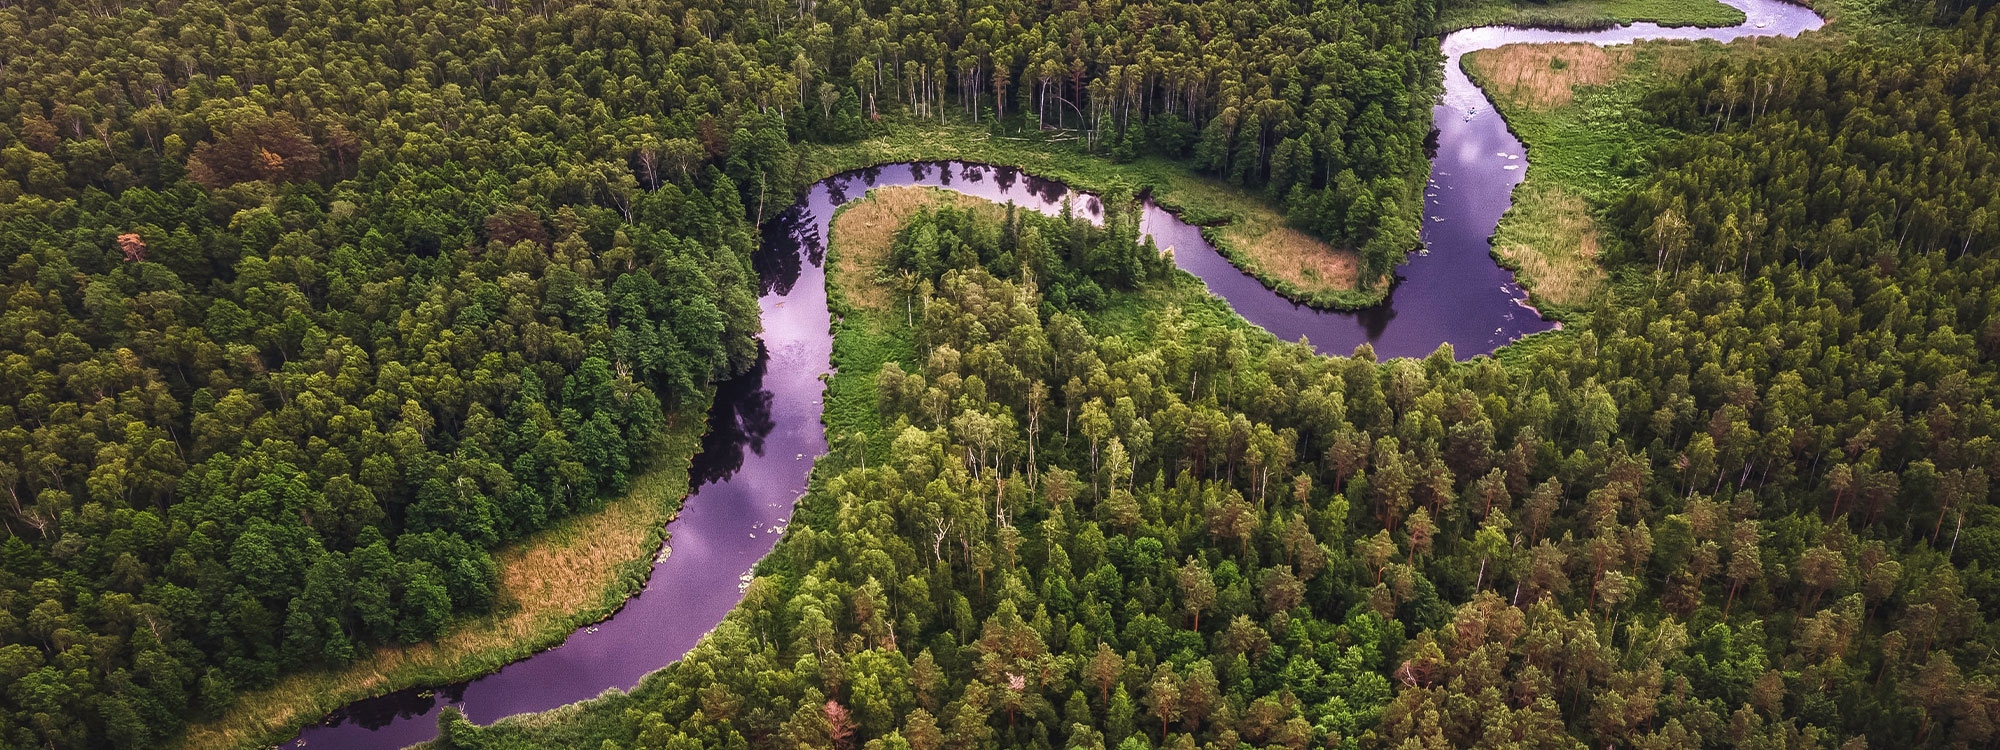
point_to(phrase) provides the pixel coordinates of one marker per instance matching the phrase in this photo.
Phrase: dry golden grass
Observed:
(1551, 238)
(558, 580)
(1261, 239)
(864, 230)
(1305, 261)
(1545, 76)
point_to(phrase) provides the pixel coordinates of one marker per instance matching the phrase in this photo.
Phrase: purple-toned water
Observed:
(765, 427)
(764, 432)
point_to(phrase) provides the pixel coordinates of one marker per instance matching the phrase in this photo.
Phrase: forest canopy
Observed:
(1747, 504)
(310, 305)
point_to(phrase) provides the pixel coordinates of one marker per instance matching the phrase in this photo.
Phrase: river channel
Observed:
(765, 431)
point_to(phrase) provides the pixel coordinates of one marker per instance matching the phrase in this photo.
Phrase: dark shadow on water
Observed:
(1007, 176)
(381, 711)
(1375, 320)
(1049, 191)
(737, 424)
(778, 271)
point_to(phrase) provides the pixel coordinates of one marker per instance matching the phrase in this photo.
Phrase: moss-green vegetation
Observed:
(873, 326)
(1586, 14)
(1589, 143)
(1584, 146)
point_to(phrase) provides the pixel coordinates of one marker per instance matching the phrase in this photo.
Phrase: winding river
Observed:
(765, 426)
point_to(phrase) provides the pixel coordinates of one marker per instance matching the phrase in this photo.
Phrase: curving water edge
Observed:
(765, 432)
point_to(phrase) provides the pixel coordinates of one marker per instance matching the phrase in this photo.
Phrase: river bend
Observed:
(765, 430)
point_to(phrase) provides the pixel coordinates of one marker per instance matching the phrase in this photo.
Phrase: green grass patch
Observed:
(1588, 14)
(1585, 147)
(866, 337)
(1594, 145)
(1134, 316)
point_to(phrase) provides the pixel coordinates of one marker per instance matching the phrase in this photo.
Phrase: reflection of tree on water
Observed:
(836, 191)
(381, 711)
(1007, 177)
(780, 261)
(739, 420)
(1375, 319)
(1049, 191)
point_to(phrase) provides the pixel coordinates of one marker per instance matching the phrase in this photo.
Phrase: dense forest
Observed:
(1746, 505)
(310, 305)
(1830, 161)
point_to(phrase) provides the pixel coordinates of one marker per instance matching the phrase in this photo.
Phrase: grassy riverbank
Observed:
(872, 327)
(1245, 227)
(1588, 14)
(1571, 105)
(577, 571)
(1576, 109)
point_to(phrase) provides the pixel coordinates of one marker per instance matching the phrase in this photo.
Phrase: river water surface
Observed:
(765, 426)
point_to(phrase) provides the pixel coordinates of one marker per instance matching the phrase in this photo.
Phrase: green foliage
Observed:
(1074, 261)
(280, 278)
(1826, 165)
(309, 307)
(284, 361)
(1723, 512)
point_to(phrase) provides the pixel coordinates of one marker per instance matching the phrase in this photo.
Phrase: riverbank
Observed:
(1243, 226)
(869, 328)
(1572, 107)
(578, 571)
